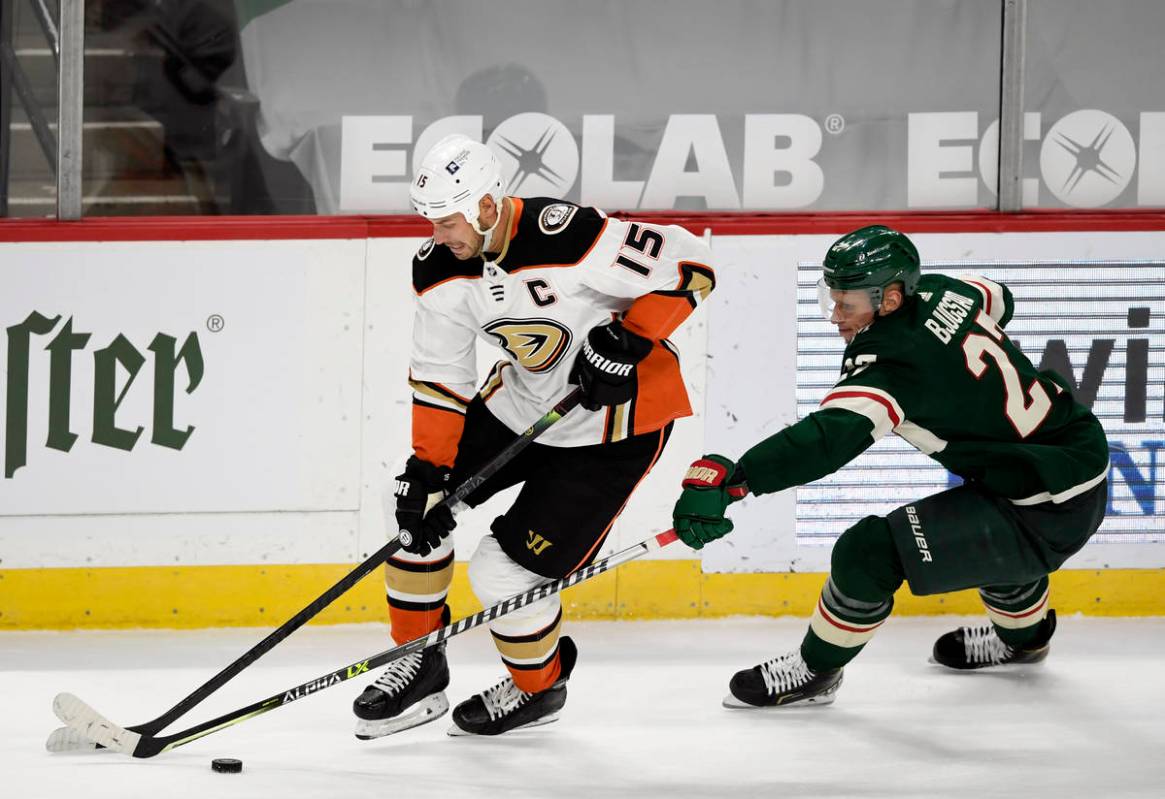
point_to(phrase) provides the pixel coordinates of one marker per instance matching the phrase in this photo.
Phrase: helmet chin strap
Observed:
(488, 233)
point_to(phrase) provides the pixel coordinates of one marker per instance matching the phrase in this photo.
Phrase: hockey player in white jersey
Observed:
(570, 296)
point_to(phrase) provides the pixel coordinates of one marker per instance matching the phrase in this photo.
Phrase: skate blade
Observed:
(1003, 667)
(428, 709)
(733, 703)
(955, 669)
(457, 732)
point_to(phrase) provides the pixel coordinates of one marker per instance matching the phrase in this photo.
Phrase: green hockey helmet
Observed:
(871, 258)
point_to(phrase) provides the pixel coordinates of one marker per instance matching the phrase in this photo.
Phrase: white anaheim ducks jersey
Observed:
(564, 270)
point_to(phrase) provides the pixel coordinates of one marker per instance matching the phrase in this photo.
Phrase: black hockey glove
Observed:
(420, 488)
(605, 368)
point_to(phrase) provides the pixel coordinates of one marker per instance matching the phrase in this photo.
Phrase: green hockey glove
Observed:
(710, 486)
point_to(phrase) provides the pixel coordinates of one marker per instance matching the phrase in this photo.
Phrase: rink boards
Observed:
(201, 415)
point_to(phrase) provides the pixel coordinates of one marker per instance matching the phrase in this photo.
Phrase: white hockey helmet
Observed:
(453, 177)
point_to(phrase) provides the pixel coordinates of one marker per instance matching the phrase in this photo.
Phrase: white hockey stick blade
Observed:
(92, 725)
(66, 739)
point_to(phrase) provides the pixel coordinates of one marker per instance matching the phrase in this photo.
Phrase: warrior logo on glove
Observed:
(707, 473)
(710, 486)
(605, 365)
(605, 369)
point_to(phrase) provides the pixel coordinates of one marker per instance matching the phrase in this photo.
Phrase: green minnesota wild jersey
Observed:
(941, 373)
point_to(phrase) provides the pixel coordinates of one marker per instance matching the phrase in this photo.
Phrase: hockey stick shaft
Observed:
(84, 719)
(456, 503)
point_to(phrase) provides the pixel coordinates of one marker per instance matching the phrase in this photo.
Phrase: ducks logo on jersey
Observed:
(536, 344)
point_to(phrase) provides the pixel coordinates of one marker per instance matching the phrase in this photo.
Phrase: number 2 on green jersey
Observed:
(1026, 410)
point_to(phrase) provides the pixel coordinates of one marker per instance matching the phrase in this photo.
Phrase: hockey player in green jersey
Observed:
(926, 358)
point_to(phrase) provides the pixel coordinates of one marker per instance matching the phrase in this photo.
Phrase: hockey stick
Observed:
(86, 722)
(64, 740)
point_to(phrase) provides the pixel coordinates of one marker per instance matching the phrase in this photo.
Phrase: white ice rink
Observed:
(643, 719)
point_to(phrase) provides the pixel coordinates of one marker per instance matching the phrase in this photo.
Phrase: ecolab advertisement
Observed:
(218, 402)
(1084, 159)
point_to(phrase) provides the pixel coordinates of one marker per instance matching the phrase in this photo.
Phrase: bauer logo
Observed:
(919, 535)
(116, 366)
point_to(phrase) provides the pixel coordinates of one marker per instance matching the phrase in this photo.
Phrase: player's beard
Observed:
(464, 250)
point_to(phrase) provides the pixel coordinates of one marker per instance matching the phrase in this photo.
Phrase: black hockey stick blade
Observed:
(61, 740)
(90, 724)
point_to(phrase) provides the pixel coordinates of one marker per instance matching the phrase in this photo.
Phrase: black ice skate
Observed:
(980, 647)
(506, 707)
(782, 681)
(410, 692)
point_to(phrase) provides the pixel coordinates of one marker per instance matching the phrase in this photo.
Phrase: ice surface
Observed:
(643, 719)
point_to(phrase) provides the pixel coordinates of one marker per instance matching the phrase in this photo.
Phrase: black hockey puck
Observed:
(226, 765)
